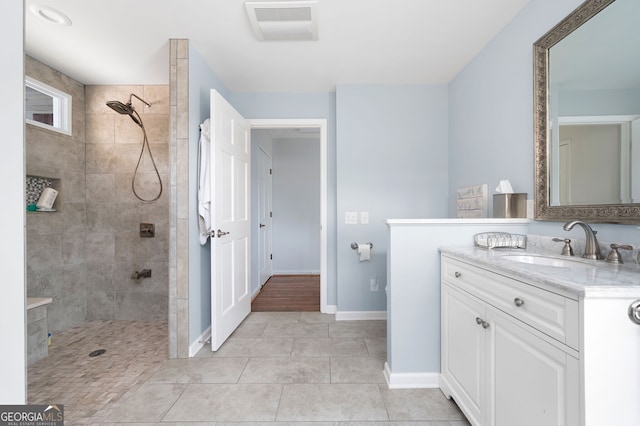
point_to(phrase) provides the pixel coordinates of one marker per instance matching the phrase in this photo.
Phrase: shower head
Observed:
(125, 109)
(128, 109)
(120, 108)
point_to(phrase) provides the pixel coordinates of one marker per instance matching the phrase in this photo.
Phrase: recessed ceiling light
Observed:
(50, 15)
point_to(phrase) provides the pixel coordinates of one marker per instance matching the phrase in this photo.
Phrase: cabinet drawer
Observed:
(550, 313)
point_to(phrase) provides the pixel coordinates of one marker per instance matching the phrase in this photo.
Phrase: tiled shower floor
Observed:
(279, 368)
(85, 385)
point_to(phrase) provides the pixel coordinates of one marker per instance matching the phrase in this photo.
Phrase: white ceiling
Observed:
(360, 41)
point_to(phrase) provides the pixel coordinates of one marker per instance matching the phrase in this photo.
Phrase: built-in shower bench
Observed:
(37, 329)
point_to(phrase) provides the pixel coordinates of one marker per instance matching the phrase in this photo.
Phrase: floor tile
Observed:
(223, 402)
(286, 370)
(357, 370)
(269, 317)
(148, 403)
(250, 330)
(275, 329)
(358, 329)
(419, 404)
(316, 317)
(329, 346)
(134, 383)
(426, 423)
(376, 346)
(251, 347)
(272, 424)
(336, 402)
(200, 370)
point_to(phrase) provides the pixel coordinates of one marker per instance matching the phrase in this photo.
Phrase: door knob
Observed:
(262, 225)
(222, 233)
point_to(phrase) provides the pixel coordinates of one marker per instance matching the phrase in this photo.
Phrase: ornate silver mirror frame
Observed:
(611, 213)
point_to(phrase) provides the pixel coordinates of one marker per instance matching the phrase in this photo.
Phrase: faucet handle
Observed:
(567, 250)
(614, 254)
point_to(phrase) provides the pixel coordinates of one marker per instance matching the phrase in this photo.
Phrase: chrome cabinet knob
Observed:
(518, 302)
(478, 320)
(457, 274)
(634, 312)
(485, 325)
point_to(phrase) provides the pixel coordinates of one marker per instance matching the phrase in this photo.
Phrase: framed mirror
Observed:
(587, 115)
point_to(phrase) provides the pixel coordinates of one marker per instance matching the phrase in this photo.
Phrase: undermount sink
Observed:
(547, 261)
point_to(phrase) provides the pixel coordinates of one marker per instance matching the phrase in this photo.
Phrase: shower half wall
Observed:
(83, 255)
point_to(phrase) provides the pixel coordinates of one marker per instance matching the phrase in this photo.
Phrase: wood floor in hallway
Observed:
(299, 293)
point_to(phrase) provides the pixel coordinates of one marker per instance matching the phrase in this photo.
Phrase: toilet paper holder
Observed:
(355, 245)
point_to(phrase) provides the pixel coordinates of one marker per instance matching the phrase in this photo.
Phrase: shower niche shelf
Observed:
(33, 189)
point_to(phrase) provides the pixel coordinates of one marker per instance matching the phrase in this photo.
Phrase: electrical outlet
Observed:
(373, 284)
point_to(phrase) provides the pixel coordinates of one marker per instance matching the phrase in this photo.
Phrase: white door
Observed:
(230, 218)
(265, 208)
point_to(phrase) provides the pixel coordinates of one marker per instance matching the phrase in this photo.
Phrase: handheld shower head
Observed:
(128, 109)
(121, 108)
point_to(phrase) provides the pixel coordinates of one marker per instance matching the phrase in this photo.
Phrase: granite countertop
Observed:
(589, 278)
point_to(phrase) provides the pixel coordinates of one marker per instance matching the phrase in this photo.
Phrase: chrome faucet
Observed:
(591, 246)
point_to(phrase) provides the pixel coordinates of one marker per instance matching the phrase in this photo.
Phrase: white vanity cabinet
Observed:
(509, 350)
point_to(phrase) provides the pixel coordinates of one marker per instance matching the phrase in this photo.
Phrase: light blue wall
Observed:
(201, 81)
(303, 105)
(296, 206)
(391, 163)
(491, 114)
(491, 104)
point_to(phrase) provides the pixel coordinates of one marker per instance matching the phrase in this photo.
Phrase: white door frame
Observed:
(322, 125)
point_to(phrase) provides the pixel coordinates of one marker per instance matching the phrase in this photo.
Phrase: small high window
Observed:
(47, 107)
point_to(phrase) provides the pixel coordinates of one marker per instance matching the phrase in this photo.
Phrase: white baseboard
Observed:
(329, 309)
(360, 315)
(410, 380)
(255, 293)
(195, 347)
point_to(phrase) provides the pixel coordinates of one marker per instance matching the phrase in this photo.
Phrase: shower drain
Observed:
(97, 352)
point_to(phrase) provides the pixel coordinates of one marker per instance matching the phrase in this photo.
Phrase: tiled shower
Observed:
(83, 254)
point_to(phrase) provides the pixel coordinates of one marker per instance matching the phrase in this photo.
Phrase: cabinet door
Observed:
(463, 352)
(533, 382)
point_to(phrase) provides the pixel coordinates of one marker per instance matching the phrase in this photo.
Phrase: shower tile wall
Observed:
(56, 240)
(114, 248)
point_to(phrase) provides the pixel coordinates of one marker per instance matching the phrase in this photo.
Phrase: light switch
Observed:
(350, 218)
(364, 218)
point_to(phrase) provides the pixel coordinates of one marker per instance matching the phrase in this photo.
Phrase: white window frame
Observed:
(61, 107)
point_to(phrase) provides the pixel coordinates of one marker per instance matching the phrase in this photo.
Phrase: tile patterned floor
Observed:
(286, 369)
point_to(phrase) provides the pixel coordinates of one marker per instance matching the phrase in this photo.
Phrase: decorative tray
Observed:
(500, 240)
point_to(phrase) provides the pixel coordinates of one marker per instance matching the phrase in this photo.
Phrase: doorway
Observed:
(284, 271)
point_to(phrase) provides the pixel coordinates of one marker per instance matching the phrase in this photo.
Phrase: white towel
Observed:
(204, 184)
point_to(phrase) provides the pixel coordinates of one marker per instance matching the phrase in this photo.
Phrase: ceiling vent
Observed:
(283, 20)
